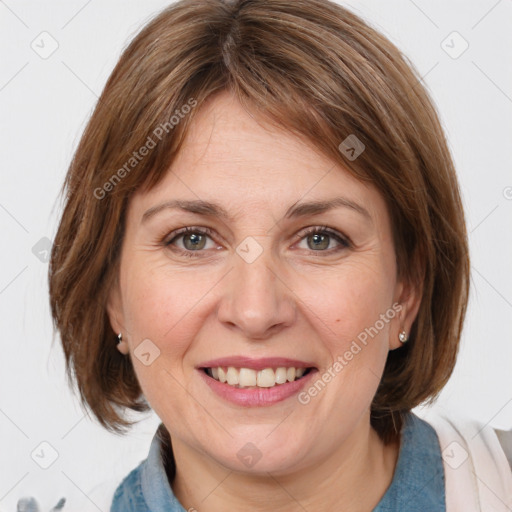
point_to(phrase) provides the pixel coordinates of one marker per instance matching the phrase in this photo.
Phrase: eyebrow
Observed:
(207, 208)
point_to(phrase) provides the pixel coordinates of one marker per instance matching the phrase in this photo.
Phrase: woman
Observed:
(263, 241)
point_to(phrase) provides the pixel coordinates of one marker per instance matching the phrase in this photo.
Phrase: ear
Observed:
(115, 315)
(408, 294)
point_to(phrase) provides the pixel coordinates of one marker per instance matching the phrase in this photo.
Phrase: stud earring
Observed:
(403, 337)
(119, 338)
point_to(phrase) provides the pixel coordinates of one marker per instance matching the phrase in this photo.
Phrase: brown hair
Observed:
(315, 69)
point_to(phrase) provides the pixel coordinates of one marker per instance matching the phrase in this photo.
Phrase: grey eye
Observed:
(319, 241)
(196, 241)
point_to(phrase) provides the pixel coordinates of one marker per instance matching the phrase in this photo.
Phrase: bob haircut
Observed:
(310, 67)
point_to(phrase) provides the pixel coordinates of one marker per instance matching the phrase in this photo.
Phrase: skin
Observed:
(295, 300)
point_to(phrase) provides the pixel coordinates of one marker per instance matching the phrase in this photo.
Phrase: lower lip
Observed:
(256, 397)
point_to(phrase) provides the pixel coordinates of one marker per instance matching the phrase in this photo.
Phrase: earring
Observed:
(403, 337)
(122, 345)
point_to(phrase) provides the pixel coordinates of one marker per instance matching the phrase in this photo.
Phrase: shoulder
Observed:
(476, 459)
(128, 496)
(121, 494)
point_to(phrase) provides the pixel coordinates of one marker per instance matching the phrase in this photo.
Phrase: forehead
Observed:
(229, 156)
(225, 135)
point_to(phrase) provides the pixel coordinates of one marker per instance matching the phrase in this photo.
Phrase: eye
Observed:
(320, 238)
(191, 239)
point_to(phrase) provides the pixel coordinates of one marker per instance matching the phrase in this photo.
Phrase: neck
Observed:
(354, 476)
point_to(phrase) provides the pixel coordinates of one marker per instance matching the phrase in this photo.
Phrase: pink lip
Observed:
(255, 364)
(256, 397)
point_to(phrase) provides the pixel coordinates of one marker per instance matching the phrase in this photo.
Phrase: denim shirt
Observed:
(418, 482)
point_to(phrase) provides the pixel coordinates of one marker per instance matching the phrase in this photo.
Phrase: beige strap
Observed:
(477, 474)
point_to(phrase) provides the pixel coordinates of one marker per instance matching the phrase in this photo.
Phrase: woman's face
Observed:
(250, 281)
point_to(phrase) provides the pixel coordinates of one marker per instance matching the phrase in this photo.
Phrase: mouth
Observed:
(262, 382)
(249, 378)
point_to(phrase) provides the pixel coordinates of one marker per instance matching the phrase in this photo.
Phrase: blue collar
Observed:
(418, 483)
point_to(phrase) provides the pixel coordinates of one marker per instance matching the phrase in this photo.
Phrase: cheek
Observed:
(351, 313)
(166, 308)
(163, 305)
(350, 301)
(160, 316)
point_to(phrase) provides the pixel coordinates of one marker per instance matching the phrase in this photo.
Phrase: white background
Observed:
(45, 104)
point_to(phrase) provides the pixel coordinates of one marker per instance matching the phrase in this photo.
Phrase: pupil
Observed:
(195, 241)
(322, 239)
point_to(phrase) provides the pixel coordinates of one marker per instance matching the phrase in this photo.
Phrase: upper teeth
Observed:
(243, 377)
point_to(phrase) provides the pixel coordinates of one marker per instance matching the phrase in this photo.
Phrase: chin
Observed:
(259, 454)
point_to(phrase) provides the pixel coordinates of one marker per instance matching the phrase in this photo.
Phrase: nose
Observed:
(256, 299)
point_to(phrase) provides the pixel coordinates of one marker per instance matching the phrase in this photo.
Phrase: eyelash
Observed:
(342, 240)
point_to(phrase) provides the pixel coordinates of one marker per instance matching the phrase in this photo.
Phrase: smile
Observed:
(262, 382)
(250, 378)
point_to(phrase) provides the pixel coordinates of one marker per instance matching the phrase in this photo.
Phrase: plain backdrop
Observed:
(45, 101)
